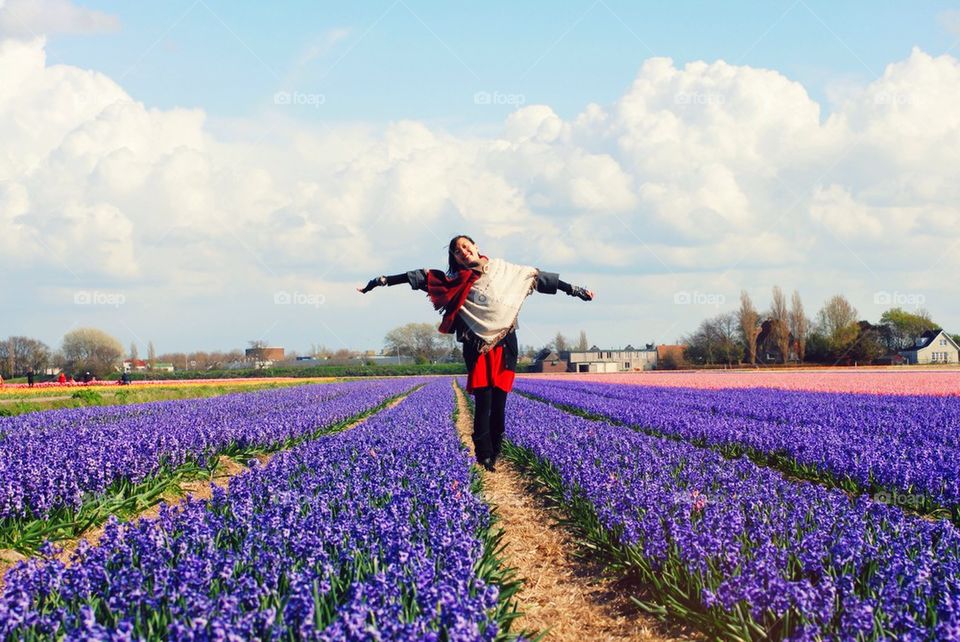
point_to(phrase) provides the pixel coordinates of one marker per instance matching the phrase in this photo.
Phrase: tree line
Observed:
(97, 352)
(784, 332)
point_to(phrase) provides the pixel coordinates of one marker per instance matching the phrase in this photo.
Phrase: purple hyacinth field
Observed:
(745, 514)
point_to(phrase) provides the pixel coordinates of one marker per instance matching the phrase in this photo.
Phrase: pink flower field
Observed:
(900, 381)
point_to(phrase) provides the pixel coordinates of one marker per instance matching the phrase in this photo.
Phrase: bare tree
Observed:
(92, 350)
(319, 351)
(836, 314)
(8, 362)
(134, 353)
(837, 321)
(560, 343)
(715, 341)
(749, 322)
(781, 323)
(20, 355)
(799, 324)
(151, 354)
(582, 344)
(419, 340)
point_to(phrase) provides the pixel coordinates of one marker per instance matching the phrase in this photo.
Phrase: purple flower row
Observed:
(368, 534)
(56, 459)
(909, 445)
(804, 562)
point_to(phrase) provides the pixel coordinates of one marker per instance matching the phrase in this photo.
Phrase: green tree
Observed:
(837, 323)
(901, 328)
(869, 344)
(93, 350)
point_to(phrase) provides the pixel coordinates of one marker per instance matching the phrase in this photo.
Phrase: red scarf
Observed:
(448, 294)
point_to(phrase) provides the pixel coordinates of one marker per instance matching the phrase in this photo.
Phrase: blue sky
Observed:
(394, 59)
(170, 170)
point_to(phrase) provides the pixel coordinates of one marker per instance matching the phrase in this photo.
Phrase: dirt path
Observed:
(562, 594)
(34, 399)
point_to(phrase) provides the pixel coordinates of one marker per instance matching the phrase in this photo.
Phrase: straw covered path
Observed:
(564, 595)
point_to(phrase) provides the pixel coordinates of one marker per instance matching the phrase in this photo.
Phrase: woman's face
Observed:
(466, 252)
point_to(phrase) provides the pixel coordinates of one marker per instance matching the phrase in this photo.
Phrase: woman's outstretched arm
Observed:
(416, 278)
(550, 283)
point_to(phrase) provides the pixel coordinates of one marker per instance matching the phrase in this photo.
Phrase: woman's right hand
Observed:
(380, 280)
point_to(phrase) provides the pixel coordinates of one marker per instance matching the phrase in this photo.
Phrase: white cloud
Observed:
(714, 177)
(28, 18)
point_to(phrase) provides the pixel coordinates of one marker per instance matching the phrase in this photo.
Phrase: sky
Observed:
(201, 174)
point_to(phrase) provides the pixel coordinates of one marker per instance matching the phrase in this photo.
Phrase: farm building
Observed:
(667, 353)
(933, 346)
(134, 365)
(549, 361)
(613, 360)
(263, 357)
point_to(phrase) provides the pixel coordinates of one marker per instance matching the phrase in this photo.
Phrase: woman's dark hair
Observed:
(452, 262)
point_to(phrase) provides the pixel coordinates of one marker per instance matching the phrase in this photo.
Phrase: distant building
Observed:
(626, 359)
(134, 365)
(667, 353)
(767, 348)
(163, 366)
(263, 357)
(264, 354)
(549, 361)
(933, 346)
(388, 360)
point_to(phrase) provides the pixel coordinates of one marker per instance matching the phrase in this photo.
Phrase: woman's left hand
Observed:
(582, 293)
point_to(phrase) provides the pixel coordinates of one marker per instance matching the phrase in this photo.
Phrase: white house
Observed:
(933, 346)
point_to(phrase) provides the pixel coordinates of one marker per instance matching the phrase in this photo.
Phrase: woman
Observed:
(480, 299)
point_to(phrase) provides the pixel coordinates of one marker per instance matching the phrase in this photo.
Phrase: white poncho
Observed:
(494, 301)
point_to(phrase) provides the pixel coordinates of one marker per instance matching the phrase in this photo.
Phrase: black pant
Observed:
(489, 406)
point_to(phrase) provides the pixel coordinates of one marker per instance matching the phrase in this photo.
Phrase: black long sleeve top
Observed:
(547, 282)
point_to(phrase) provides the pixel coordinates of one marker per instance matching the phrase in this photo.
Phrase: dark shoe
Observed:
(488, 464)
